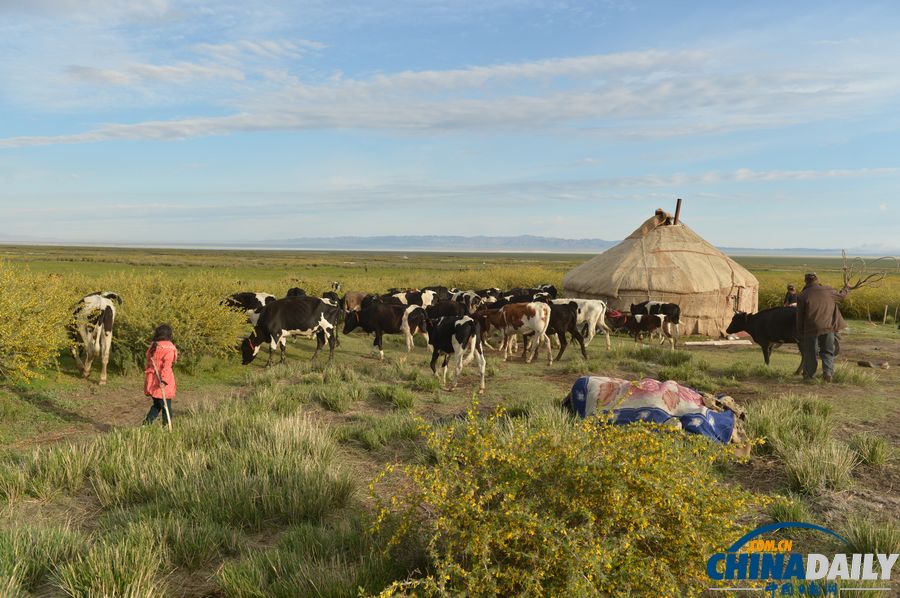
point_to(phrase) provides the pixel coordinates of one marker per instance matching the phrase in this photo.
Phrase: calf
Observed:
(519, 318)
(252, 303)
(353, 300)
(671, 311)
(640, 323)
(563, 319)
(591, 314)
(381, 318)
(458, 336)
(768, 328)
(292, 316)
(92, 328)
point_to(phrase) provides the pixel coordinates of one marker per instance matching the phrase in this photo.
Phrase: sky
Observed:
(173, 121)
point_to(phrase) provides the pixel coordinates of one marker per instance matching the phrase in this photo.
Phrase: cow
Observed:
(92, 324)
(768, 328)
(443, 309)
(563, 319)
(591, 315)
(382, 318)
(539, 296)
(671, 311)
(292, 316)
(638, 324)
(518, 318)
(353, 300)
(414, 297)
(489, 295)
(549, 289)
(333, 298)
(440, 293)
(471, 299)
(296, 292)
(458, 336)
(251, 303)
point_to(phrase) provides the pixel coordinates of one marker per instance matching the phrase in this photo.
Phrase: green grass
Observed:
(374, 432)
(790, 421)
(852, 374)
(788, 508)
(871, 449)
(872, 536)
(815, 468)
(397, 396)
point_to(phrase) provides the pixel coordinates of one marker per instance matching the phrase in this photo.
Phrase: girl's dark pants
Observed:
(155, 410)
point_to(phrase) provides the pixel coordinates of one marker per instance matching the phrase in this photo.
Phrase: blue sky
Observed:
(175, 121)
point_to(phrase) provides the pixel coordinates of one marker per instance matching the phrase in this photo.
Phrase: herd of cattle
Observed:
(455, 323)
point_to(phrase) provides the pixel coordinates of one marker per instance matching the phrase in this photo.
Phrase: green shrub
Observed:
(812, 469)
(871, 449)
(550, 506)
(34, 312)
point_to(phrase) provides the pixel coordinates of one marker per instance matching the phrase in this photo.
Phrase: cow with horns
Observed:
(92, 329)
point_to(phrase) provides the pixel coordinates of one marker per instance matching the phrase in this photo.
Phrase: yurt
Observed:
(664, 260)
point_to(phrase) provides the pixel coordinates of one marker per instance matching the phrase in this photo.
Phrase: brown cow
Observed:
(519, 318)
(353, 300)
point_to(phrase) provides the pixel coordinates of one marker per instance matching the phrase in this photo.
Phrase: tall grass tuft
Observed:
(742, 370)
(814, 468)
(844, 373)
(28, 554)
(128, 567)
(790, 421)
(397, 396)
(866, 535)
(871, 449)
(376, 432)
(788, 508)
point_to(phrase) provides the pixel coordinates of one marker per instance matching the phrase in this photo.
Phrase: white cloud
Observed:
(134, 74)
(267, 49)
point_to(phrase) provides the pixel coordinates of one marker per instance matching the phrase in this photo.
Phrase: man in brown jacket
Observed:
(818, 320)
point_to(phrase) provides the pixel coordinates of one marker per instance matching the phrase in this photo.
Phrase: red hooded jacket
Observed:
(165, 355)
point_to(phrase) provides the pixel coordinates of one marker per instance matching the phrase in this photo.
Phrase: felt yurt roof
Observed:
(659, 257)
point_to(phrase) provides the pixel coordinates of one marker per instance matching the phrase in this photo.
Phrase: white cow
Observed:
(92, 325)
(593, 313)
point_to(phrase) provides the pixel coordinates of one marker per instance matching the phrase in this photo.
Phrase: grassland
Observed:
(261, 489)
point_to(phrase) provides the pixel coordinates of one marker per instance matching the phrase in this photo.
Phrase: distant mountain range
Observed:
(449, 243)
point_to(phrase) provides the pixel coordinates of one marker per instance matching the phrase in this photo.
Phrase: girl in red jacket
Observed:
(163, 354)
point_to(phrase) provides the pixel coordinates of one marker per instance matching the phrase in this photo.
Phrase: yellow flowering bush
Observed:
(34, 312)
(550, 506)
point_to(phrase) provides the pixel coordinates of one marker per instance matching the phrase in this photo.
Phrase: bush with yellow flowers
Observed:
(34, 312)
(552, 506)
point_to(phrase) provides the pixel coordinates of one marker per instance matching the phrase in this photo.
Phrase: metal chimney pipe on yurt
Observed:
(677, 211)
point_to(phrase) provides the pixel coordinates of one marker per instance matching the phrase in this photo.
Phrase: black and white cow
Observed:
(563, 319)
(383, 318)
(443, 309)
(471, 299)
(441, 293)
(423, 298)
(92, 328)
(295, 292)
(292, 316)
(537, 296)
(251, 303)
(458, 336)
(489, 295)
(671, 311)
(591, 316)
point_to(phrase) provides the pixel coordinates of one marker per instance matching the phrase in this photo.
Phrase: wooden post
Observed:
(896, 309)
(884, 319)
(677, 211)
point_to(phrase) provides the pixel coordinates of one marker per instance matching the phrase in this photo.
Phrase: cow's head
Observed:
(549, 289)
(351, 321)
(112, 297)
(738, 323)
(250, 347)
(541, 297)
